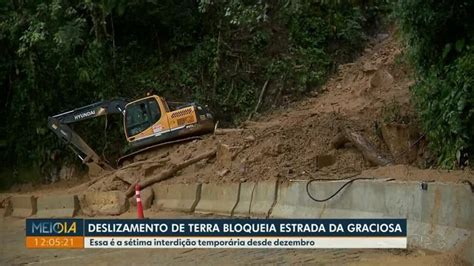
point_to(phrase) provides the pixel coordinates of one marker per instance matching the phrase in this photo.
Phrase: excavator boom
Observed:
(59, 124)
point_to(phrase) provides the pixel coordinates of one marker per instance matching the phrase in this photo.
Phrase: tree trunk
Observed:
(170, 172)
(368, 150)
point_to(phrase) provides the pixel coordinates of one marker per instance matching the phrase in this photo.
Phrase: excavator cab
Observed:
(141, 115)
(149, 121)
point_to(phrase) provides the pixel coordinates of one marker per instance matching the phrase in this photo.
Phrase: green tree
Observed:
(440, 37)
(59, 55)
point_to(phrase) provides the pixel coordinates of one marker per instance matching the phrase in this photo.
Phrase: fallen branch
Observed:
(260, 98)
(85, 186)
(234, 155)
(170, 172)
(93, 181)
(122, 179)
(152, 161)
(223, 131)
(249, 123)
(368, 150)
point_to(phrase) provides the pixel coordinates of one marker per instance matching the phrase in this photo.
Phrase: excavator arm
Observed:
(59, 124)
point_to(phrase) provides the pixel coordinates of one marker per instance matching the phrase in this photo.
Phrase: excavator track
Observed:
(130, 155)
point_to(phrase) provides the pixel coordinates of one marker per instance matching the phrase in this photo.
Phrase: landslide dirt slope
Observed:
(295, 142)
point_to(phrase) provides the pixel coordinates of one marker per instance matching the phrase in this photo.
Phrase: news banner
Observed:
(216, 233)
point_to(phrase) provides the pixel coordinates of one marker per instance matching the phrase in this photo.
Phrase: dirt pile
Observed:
(296, 142)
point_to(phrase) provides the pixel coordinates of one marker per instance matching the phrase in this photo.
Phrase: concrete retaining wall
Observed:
(4, 200)
(146, 196)
(23, 206)
(177, 197)
(104, 203)
(256, 199)
(5, 206)
(439, 218)
(57, 206)
(218, 199)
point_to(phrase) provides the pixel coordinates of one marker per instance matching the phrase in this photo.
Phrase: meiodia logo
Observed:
(53, 227)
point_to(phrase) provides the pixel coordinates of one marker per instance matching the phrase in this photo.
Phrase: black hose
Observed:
(332, 179)
(470, 184)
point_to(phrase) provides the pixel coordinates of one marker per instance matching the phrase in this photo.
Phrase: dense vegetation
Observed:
(440, 38)
(57, 55)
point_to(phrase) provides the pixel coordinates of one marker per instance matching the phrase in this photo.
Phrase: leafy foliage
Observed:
(440, 35)
(58, 55)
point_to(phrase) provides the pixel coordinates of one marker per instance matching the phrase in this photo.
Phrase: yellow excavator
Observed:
(148, 123)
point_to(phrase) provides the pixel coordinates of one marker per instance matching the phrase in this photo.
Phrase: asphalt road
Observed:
(13, 252)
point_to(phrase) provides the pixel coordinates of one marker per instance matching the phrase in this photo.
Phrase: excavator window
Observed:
(154, 110)
(141, 115)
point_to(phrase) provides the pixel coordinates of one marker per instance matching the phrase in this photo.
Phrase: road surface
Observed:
(13, 252)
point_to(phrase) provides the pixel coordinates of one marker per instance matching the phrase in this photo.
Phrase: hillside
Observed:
(296, 142)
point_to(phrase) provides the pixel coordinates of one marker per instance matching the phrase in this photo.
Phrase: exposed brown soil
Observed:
(295, 142)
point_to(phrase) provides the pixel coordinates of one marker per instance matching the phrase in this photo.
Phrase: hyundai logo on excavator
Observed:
(83, 115)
